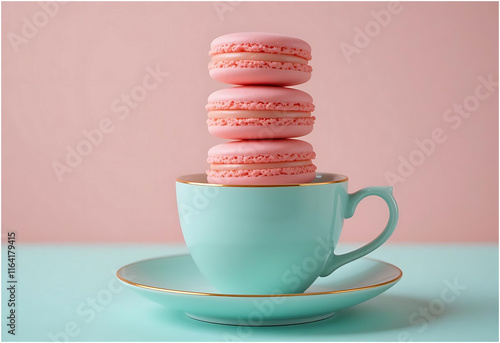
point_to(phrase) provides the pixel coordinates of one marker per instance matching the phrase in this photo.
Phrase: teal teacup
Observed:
(271, 239)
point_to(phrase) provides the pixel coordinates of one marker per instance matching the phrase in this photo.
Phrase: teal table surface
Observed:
(69, 292)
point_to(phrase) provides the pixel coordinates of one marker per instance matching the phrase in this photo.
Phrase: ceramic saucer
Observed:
(176, 282)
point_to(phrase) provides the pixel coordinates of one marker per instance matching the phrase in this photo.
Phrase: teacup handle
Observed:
(335, 261)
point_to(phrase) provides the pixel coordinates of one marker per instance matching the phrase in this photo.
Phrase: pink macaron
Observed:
(260, 112)
(260, 58)
(261, 162)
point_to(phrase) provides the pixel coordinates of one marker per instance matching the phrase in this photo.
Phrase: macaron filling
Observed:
(252, 56)
(256, 114)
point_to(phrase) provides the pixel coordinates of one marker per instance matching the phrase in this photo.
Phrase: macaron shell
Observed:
(260, 132)
(259, 76)
(263, 180)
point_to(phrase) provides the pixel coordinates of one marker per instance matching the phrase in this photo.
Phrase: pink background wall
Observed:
(64, 71)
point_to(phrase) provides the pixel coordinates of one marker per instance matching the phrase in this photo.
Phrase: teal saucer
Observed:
(176, 282)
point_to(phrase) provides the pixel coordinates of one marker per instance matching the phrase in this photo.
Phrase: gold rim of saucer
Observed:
(255, 295)
(201, 180)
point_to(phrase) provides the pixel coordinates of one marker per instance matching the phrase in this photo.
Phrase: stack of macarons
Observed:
(260, 112)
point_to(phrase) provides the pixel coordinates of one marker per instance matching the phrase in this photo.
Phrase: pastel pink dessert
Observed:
(261, 162)
(260, 112)
(260, 58)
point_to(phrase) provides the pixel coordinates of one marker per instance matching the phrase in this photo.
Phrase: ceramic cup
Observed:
(271, 239)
